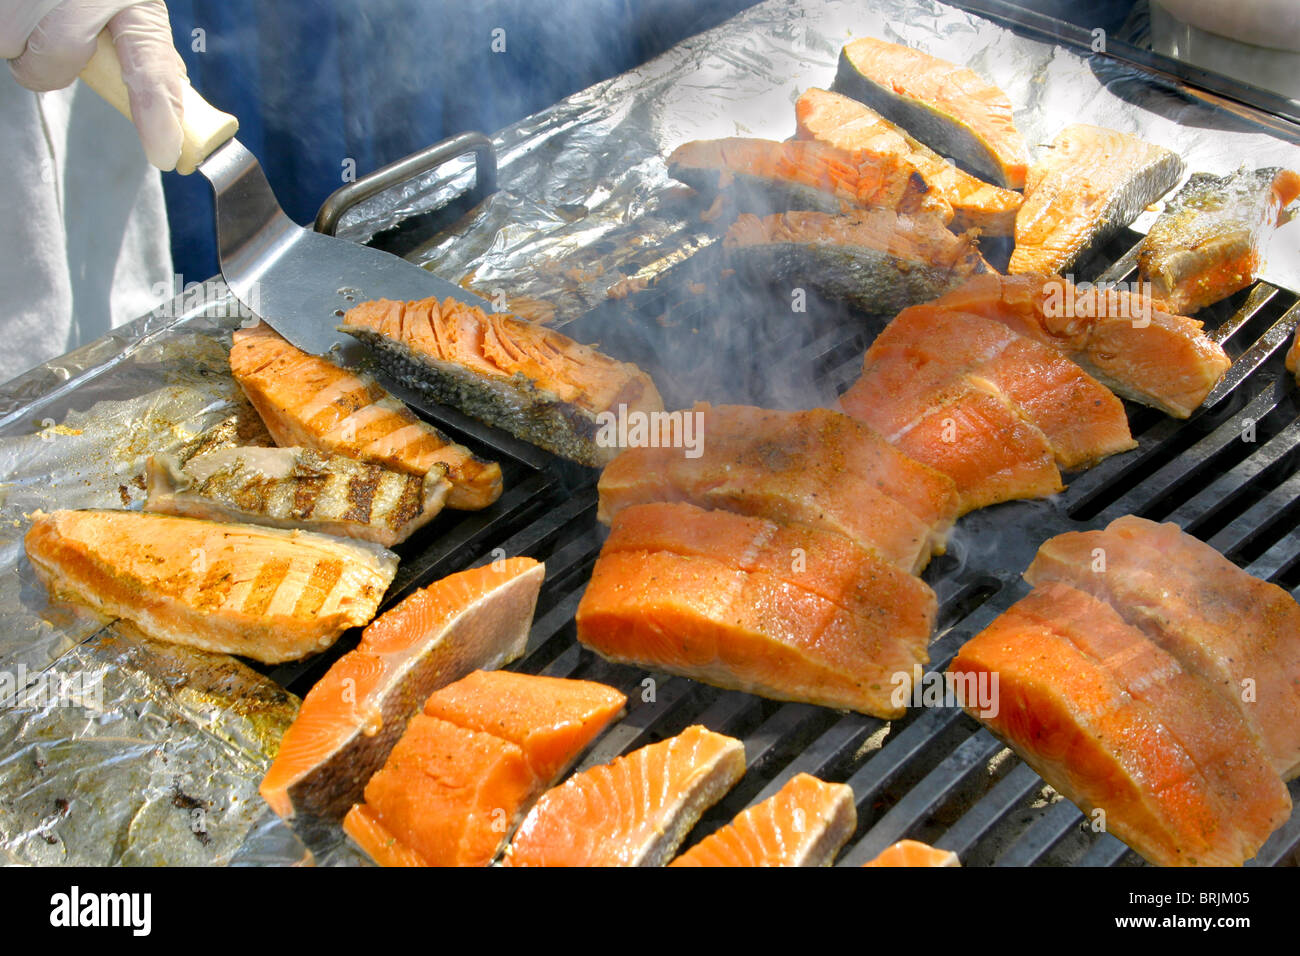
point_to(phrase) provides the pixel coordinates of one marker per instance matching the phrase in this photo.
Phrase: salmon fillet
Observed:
(814, 467)
(350, 720)
(309, 401)
(634, 811)
(1239, 634)
(914, 853)
(1122, 340)
(260, 593)
(803, 824)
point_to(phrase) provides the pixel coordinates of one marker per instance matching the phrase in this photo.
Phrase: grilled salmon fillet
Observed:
(308, 401)
(531, 381)
(1124, 341)
(816, 467)
(352, 717)
(260, 593)
(634, 811)
(914, 853)
(847, 124)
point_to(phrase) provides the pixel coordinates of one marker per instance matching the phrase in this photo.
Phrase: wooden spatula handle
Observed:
(205, 126)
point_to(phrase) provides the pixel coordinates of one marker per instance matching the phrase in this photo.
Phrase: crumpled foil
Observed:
(115, 749)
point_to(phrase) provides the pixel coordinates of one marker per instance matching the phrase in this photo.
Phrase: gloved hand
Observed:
(48, 42)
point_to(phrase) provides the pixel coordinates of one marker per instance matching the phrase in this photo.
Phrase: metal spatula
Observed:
(298, 280)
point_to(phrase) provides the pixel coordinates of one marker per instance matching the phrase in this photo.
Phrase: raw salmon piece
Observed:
(1082, 420)
(816, 467)
(803, 824)
(1121, 339)
(1239, 634)
(845, 123)
(829, 565)
(767, 176)
(949, 108)
(746, 631)
(550, 719)
(261, 593)
(634, 811)
(957, 425)
(351, 718)
(1092, 183)
(532, 381)
(1226, 754)
(306, 400)
(914, 853)
(1097, 746)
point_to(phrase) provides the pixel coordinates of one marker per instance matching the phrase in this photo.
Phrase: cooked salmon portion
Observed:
(803, 824)
(847, 124)
(816, 467)
(767, 176)
(959, 425)
(1082, 420)
(634, 811)
(1121, 339)
(350, 720)
(308, 401)
(1237, 633)
(533, 382)
(1293, 355)
(914, 853)
(261, 593)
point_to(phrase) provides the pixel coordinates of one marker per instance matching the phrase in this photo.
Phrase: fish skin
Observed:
(1206, 245)
(1091, 184)
(914, 853)
(262, 593)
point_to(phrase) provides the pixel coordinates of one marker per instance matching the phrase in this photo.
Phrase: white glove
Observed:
(48, 42)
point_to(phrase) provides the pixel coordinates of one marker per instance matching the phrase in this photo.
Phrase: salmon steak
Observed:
(951, 109)
(472, 763)
(1108, 721)
(298, 488)
(1208, 243)
(308, 401)
(261, 593)
(815, 467)
(805, 823)
(1091, 184)
(352, 717)
(531, 381)
(876, 260)
(633, 811)
(766, 176)
(847, 124)
(914, 853)
(1121, 339)
(1237, 633)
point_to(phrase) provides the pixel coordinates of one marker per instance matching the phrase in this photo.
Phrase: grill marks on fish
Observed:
(309, 401)
(1092, 183)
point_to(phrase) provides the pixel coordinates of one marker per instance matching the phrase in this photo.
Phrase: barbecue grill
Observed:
(1230, 475)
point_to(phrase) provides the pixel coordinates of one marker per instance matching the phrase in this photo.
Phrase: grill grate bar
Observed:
(1276, 557)
(980, 820)
(1107, 851)
(638, 728)
(1278, 334)
(899, 751)
(1255, 522)
(1224, 491)
(1049, 830)
(820, 757)
(1261, 295)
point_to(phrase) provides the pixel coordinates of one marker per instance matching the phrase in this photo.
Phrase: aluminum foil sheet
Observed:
(114, 749)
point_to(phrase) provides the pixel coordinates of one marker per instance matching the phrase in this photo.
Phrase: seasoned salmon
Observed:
(260, 593)
(1207, 244)
(306, 400)
(847, 124)
(914, 853)
(519, 376)
(876, 260)
(469, 766)
(298, 488)
(816, 467)
(634, 811)
(1239, 634)
(766, 176)
(803, 824)
(1091, 184)
(951, 109)
(351, 718)
(1121, 339)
